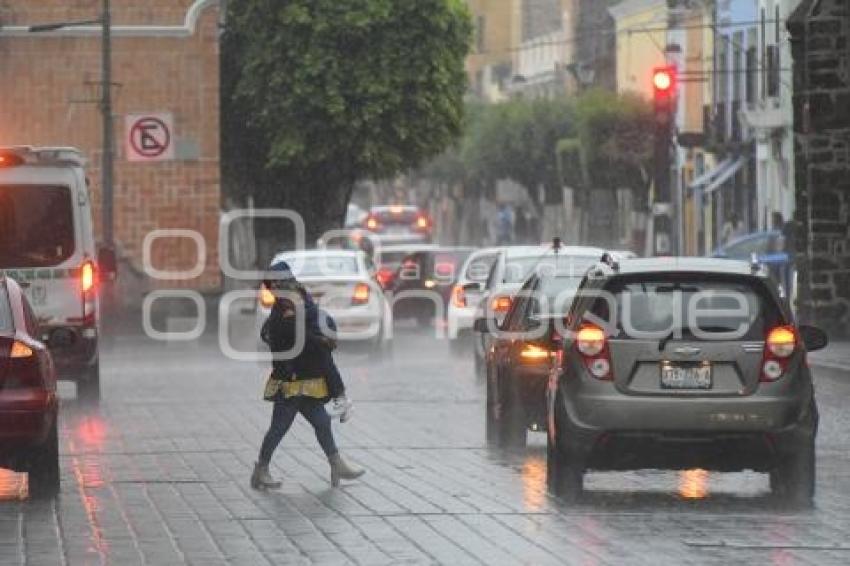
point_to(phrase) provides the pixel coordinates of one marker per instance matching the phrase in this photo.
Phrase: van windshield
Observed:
(36, 226)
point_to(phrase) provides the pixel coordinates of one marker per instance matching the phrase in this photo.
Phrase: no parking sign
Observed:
(149, 137)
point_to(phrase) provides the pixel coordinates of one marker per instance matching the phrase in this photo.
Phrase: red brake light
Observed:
(385, 277)
(422, 222)
(501, 304)
(361, 294)
(458, 296)
(372, 223)
(532, 353)
(779, 345)
(87, 277)
(592, 344)
(10, 160)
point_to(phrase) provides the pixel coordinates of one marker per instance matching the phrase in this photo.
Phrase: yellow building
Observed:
(641, 40)
(497, 36)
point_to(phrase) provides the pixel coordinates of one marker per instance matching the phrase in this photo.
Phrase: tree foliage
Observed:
(321, 93)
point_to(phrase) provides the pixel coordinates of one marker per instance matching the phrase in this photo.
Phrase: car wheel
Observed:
(88, 387)
(512, 426)
(793, 480)
(564, 474)
(44, 466)
(489, 418)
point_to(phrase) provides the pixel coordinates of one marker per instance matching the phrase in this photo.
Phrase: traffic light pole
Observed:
(665, 87)
(108, 159)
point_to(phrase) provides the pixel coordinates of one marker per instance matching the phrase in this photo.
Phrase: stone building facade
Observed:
(820, 31)
(165, 60)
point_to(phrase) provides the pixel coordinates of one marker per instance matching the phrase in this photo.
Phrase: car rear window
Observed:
(479, 268)
(6, 324)
(689, 308)
(323, 266)
(518, 269)
(38, 226)
(396, 216)
(447, 264)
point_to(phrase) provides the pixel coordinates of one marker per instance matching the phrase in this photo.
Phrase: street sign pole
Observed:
(108, 158)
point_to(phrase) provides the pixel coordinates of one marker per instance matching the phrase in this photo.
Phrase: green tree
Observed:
(319, 94)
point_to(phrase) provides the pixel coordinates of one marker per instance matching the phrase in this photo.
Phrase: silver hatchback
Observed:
(677, 363)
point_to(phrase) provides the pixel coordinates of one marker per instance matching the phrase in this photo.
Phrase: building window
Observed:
(773, 70)
(752, 75)
(540, 17)
(737, 71)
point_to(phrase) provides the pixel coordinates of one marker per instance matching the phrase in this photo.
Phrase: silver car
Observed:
(678, 363)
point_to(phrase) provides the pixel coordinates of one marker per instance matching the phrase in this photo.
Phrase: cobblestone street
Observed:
(158, 474)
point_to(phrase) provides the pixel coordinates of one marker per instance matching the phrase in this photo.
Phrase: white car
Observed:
(343, 284)
(47, 245)
(466, 295)
(512, 267)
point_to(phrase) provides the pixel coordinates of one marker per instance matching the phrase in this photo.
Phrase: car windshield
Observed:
(689, 308)
(323, 266)
(447, 263)
(6, 324)
(37, 226)
(479, 268)
(518, 269)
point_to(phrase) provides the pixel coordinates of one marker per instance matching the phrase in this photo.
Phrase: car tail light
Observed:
(533, 353)
(361, 294)
(422, 223)
(780, 344)
(458, 296)
(267, 298)
(501, 304)
(385, 277)
(20, 350)
(10, 160)
(372, 223)
(87, 274)
(592, 344)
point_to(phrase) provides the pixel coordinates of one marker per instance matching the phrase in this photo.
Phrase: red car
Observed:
(28, 400)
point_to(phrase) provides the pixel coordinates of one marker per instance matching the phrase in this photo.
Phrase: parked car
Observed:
(423, 283)
(512, 267)
(47, 243)
(684, 363)
(524, 349)
(399, 224)
(769, 248)
(343, 283)
(466, 294)
(28, 402)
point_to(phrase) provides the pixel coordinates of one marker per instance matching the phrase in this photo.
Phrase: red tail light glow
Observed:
(532, 353)
(422, 223)
(592, 344)
(87, 277)
(501, 304)
(385, 277)
(780, 344)
(372, 223)
(361, 294)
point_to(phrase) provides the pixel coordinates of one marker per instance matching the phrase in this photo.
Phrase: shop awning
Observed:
(725, 174)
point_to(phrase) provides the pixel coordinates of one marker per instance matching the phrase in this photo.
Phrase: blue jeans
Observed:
(284, 414)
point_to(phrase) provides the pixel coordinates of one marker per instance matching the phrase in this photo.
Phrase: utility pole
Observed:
(108, 158)
(108, 149)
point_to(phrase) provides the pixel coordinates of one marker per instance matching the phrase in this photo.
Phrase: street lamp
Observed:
(108, 164)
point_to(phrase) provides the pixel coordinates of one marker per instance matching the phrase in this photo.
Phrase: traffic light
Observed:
(664, 93)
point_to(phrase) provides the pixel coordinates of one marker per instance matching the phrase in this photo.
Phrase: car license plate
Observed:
(686, 377)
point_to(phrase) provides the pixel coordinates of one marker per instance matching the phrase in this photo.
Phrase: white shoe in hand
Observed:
(342, 408)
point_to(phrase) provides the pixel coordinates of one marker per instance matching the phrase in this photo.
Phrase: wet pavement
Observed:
(158, 474)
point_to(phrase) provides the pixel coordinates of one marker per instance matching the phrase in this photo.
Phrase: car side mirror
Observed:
(107, 263)
(61, 338)
(813, 337)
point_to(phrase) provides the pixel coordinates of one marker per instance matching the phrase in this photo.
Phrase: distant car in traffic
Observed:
(512, 267)
(524, 349)
(343, 283)
(399, 224)
(769, 248)
(28, 402)
(47, 243)
(466, 294)
(388, 260)
(423, 283)
(678, 363)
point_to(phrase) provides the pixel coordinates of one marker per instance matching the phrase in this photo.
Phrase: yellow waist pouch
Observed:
(315, 388)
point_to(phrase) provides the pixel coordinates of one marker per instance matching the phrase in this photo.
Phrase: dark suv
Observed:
(677, 363)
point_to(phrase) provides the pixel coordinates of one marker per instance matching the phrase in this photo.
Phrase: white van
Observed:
(47, 245)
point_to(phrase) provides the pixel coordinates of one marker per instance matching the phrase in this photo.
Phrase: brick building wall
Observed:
(165, 59)
(820, 32)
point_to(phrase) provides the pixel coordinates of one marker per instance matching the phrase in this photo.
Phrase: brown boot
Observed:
(262, 479)
(340, 470)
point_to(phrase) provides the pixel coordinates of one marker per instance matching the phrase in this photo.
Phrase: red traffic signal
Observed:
(664, 81)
